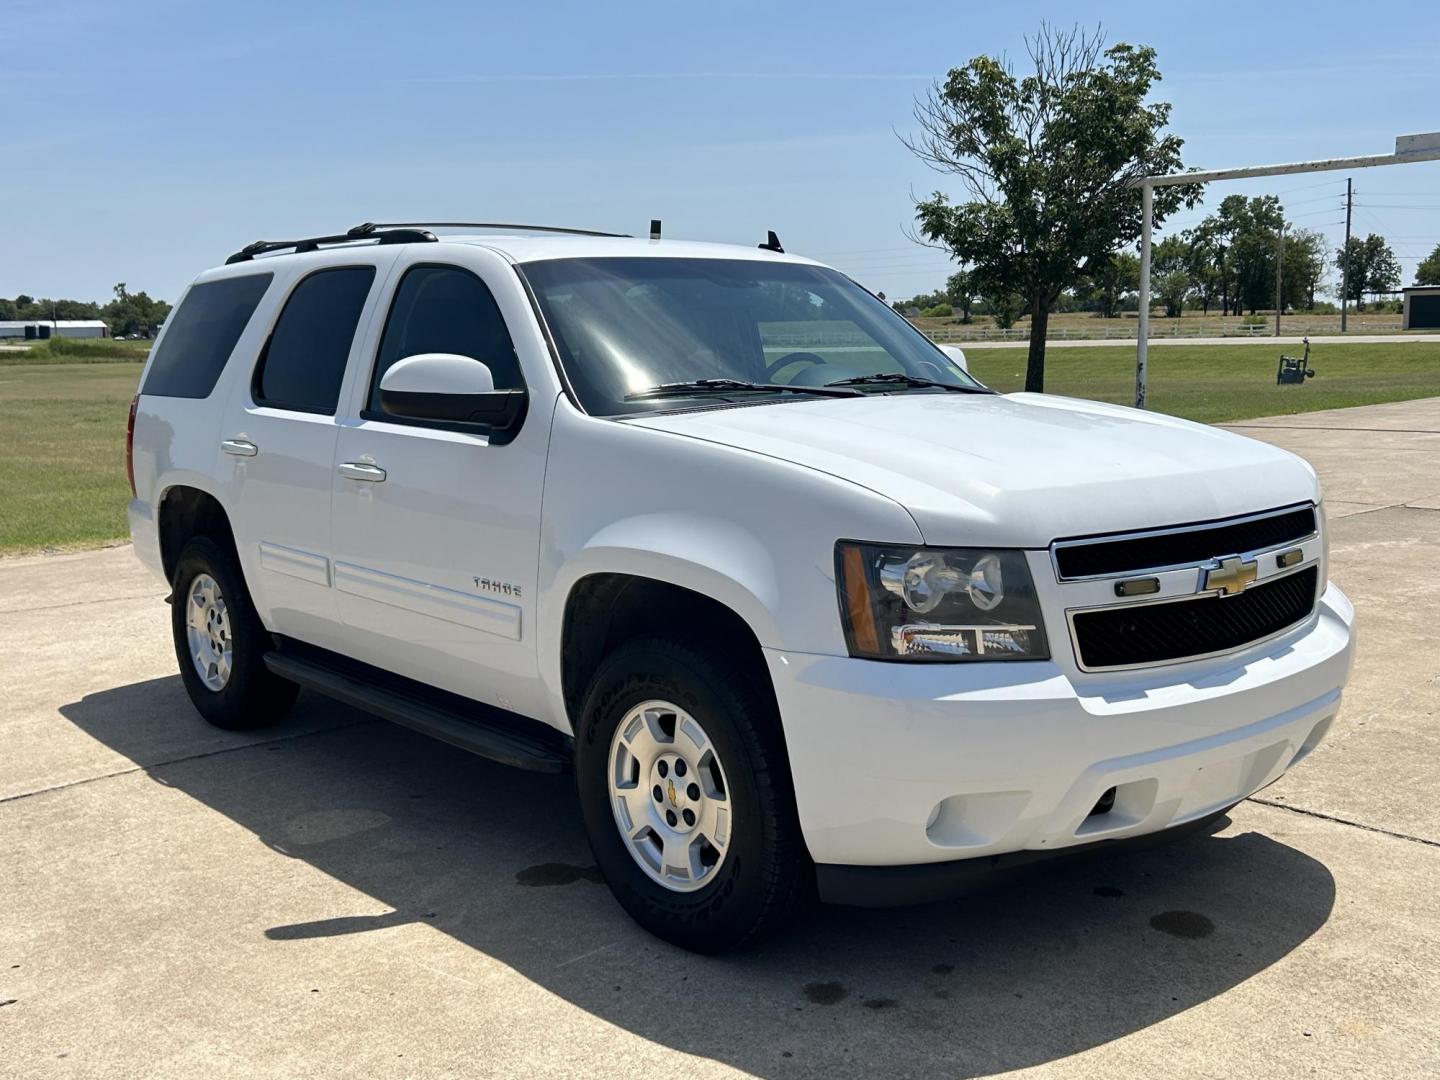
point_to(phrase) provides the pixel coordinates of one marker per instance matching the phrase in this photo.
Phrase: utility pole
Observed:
(1279, 269)
(1345, 262)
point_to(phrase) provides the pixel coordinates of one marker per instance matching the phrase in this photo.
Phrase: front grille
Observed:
(1157, 633)
(1192, 544)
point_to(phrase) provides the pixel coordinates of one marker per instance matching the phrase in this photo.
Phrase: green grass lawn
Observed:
(62, 454)
(1215, 383)
(62, 425)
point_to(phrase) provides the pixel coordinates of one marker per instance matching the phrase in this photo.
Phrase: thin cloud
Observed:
(645, 76)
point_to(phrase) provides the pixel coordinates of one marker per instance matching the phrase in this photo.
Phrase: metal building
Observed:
(1422, 307)
(33, 329)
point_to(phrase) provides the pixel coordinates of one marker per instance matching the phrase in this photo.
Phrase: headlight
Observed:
(946, 604)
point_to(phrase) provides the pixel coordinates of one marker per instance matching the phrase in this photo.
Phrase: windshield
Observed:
(626, 325)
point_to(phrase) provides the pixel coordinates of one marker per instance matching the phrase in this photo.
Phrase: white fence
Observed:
(1288, 328)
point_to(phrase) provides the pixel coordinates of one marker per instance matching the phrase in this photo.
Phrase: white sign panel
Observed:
(1417, 144)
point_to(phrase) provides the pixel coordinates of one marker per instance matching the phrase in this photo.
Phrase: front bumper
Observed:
(897, 764)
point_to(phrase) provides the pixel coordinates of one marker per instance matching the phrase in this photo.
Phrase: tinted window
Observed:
(304, 362)
(201, 334)
(443, 309)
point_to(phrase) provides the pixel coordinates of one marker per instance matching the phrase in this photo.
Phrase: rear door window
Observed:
(201, 335)
(303, 363)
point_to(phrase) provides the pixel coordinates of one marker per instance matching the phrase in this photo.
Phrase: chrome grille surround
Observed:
(1288, 538)
(1180, 582)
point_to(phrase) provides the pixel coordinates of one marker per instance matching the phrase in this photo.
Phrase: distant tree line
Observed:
(128, 313)
(1226, 264)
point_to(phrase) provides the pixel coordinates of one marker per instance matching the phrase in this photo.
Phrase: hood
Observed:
(1016, 470)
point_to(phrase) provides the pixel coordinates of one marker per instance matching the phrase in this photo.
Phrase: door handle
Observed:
(239, 447)
(358, 470)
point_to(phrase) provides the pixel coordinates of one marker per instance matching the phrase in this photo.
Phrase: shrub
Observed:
(57, 350)
(90, 348)
(939, 311)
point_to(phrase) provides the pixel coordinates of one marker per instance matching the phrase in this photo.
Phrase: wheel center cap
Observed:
(674, 794)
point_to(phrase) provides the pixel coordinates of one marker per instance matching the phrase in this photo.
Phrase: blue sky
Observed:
(145, 141)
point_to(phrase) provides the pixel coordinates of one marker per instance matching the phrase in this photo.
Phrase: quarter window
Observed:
(201, 335)
(444, 309)
(304, 362)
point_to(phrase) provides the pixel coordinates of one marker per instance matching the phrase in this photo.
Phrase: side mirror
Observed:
(954, 352)
(447, 387)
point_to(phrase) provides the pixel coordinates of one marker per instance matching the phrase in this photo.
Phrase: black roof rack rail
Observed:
(368, 231)
(491, 225)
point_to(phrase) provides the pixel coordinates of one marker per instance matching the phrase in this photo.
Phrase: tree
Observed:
(1234, 253)
(1205, 261)
(1253, 227)
(960, 289)
(133, 313)
(1111, 280)
(1049, 162)
(1170, 270)
(1373, 268)
(1428, 272)
(1306, 261)
(1004, 309)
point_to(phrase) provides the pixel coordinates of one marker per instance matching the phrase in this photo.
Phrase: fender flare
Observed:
(711, 556)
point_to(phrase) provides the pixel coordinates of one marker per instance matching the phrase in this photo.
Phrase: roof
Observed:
(1421, 289)
(538, 246)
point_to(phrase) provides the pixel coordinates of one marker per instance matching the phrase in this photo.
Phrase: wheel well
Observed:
(604, 610)
(186, 512)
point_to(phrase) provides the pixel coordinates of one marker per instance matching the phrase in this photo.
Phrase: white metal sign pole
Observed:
(1142, 332)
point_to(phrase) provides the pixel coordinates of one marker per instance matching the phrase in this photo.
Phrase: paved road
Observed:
(341, 897)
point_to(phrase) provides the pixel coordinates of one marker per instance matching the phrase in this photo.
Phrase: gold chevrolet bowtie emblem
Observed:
(671, 793)
(1231, 577)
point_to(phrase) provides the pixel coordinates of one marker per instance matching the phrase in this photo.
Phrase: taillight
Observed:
(130, 444)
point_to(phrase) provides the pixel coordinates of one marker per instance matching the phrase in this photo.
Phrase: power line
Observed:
(936, 267)
(909, 248)
(1390, 206)
(1318, 198)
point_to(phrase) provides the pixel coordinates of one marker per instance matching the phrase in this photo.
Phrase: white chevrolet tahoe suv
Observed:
(806, 608)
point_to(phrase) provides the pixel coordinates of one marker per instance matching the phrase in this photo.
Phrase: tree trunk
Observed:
(1035, 365)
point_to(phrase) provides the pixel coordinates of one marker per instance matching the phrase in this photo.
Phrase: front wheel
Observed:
(685, 787)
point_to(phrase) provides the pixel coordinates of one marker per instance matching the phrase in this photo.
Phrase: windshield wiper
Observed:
(731, 386)
(902, 379)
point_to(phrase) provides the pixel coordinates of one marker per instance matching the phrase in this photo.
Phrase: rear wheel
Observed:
(685, 788)
(220, 642)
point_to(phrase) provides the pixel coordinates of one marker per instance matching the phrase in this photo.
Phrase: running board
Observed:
(489, 732)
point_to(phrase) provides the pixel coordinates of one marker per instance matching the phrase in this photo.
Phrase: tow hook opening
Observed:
(1104, 804)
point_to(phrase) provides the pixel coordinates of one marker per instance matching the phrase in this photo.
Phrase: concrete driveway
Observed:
(341, 897)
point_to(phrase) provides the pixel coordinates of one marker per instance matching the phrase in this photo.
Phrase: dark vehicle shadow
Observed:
(1028, 972)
